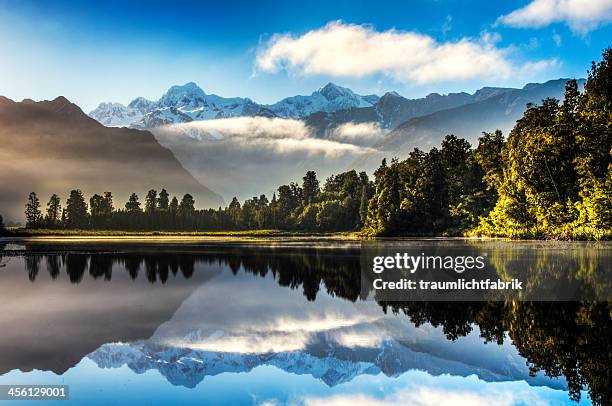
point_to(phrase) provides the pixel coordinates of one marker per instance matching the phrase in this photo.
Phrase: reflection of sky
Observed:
(268, 385)
(246, 314)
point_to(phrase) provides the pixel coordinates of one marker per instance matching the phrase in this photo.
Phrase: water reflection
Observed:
(197, 313)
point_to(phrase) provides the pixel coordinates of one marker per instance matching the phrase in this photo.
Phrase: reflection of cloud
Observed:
(277, 334)
(352, 339)
(580, 15)
(427, 396)
(341, 49)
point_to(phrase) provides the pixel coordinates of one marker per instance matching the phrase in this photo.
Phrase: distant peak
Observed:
(392, 93)
(331, 91)
(180, 93)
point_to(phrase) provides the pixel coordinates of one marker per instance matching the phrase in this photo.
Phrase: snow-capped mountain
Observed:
(116, 114)
(329, 98)
(189, 102)
(180, 104)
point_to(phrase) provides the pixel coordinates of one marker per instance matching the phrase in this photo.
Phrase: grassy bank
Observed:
(25, 232)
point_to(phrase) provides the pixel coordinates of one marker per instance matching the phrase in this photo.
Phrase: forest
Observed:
(551, 178)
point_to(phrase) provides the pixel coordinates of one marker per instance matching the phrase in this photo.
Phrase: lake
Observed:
(287, 321)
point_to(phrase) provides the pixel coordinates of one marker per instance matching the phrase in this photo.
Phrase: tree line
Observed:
(340, 204)
(551, 178)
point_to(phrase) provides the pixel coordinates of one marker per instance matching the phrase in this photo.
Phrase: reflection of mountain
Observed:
(51, 324)
(320, 326)
(332, 340)
(325, 360)
(53, 147)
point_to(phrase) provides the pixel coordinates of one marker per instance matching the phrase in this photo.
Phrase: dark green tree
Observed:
(54, 212)
(133, 204)
(310, 187)
(32, 211)
(151, 201)
(76, 210)
(163, 200)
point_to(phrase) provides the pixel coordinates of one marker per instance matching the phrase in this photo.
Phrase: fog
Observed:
(248, 156)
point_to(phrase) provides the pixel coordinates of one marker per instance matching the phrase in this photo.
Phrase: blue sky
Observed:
(110, 51)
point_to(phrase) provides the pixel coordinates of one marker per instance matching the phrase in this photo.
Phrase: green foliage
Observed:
(552, 178)
(557, 173)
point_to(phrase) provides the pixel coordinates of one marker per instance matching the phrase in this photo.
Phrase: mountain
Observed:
(392, 109)
(181, 104)
(53, 147)
(329, 98)
(467, 121)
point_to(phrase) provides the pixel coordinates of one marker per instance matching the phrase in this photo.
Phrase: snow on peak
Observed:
(187, 94)
(115, 114)
(188, 102)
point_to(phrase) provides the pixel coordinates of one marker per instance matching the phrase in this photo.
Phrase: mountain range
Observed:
(499, 111)
(53, 147)
(182, 104)
(259, 148)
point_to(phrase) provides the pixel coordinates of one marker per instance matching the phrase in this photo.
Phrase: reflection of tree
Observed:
(32, 264)
(75, 266)
(53, 265)
(572, 339)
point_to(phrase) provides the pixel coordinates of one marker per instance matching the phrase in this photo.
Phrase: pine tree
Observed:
(133, 205)
(54, 211)
(32, 211)
(76, 210)
(151, 201)
(310, 187)
(163, 200)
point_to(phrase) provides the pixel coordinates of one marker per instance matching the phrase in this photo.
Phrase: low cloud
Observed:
(364, 134)
(248, 156)
(581, 16)
(341, 49)
(274, 134)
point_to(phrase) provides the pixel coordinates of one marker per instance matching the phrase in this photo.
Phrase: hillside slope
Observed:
(53, 147)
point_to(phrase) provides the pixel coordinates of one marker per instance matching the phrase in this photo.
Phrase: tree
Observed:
(151, 201)
(174, 205)
(363, 206)
(163, 200)
(187, 205)
(76, 210)
(1, 224)
(310, 187)
(96, 207)
(107, 204)
(133, 204)
(32, 211)
(54, 211)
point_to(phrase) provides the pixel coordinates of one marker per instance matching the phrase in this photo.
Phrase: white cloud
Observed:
(280, 135)
(426, 396)
(340, 49)
(358, 134)
(581, 16)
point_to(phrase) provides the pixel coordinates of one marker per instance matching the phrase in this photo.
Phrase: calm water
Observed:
(134, 323)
